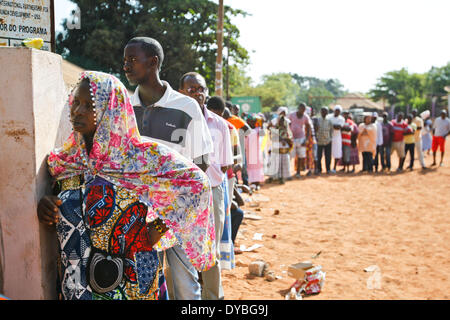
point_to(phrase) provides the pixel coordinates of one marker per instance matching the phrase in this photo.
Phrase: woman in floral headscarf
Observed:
(120, 198)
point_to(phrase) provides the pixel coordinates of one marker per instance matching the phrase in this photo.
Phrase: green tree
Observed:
(237, 83)
(402, 89)
(435, 81)
(332, 86)
(316, 97)
(318, 92)
(185, 28)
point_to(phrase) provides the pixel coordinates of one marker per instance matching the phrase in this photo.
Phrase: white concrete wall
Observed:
(32, 122)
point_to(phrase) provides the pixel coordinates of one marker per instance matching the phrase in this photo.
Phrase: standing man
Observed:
(398, 143)
(300, 122)
(315, 125)
(379, 140)
(336, 144)
(418, 121)
(409, 137)
(388, 133)
(323, 134)
(441, 129)
(175, 120)
(193, 85)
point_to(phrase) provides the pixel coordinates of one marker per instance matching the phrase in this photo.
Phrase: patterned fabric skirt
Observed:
(354, 157)
(111, 221)
(310, 153)
(280, 165)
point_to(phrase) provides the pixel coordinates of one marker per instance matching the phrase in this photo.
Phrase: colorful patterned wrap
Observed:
(172, 187)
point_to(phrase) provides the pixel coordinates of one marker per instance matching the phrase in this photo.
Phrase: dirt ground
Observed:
(397, 222)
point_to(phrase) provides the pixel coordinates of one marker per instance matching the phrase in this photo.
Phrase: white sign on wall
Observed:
(21, 19)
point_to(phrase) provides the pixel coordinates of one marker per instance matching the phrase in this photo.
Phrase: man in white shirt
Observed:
(418, 121)
(379, 153)
(338, 122)
(194, 85)
(441, 129)
(173, 119)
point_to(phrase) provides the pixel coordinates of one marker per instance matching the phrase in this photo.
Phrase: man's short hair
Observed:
(302, 104)
(151, 47)
(187, 75)
(226, 113)
(216, 103)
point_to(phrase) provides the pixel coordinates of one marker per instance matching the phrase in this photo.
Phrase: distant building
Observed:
(357, 104)
(358, 100)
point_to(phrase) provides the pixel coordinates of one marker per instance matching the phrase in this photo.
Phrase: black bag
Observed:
(105, 271)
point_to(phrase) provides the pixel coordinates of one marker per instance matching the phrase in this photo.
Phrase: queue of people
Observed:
(147, 188)
(333, 134)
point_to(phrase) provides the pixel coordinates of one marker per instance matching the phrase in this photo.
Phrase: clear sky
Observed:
(355, 41)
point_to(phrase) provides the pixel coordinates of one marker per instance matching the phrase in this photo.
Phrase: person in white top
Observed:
(418, 121)
(379, 128)
(441, 129)
(338, 122)
(194, 85)
(175, 120)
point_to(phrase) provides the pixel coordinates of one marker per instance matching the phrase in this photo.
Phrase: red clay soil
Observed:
(397, 222)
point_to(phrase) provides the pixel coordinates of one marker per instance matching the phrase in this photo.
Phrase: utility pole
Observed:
(219, 61)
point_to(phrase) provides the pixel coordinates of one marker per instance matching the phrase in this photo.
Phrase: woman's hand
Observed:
(47, 210)
(153, 234)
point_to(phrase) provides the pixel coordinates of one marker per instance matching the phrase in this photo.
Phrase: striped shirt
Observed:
(399, 129)
(347, 135)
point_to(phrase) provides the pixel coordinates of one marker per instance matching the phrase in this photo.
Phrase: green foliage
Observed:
(185, 28)
(435, 81)
(318, 92)
(285, 89)
(277, 89)
(412, 89)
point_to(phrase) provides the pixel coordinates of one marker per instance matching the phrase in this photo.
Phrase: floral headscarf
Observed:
(173, 187)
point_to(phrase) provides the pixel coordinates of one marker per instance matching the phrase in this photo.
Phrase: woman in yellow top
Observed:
(367, 141)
